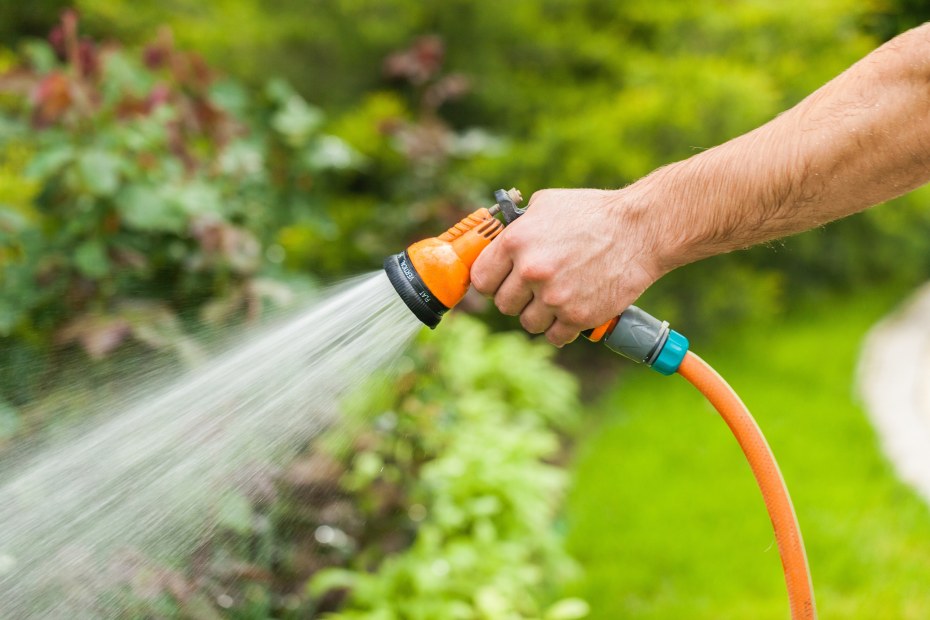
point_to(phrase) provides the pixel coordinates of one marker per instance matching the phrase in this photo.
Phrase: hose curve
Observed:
(768, 476)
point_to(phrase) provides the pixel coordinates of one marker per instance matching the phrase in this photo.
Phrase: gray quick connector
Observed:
(638, 336)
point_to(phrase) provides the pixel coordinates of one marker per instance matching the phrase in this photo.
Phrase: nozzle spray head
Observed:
(434, 274)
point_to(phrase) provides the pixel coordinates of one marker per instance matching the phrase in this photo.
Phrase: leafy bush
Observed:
(464, 452)
(141, 195)
(410, 181)
(132, 176)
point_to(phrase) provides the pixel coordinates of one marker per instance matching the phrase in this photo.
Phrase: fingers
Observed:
(513, 295)
(536, 317)
(560, 334)
(490, 269)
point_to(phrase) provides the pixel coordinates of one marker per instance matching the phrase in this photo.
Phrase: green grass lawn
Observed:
(667, 521)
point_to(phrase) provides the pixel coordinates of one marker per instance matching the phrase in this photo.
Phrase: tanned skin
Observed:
(580, 256)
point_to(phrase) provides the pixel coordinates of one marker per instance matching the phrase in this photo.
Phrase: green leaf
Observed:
(49, 161)
(278, 90)
(492, 603)
(145, 208)
(368, 465)
(197, 198)
(9, 420)
(100, 172)
(331, 579)
(9, 317)
(11, 221)
(231, 96)
(40, 55)
(242, 159)
(296, 120)
(568, 609)
(11, 127)
(331, 152)
(235, 513)
(91, 259)
(122, 73)
(486, 505)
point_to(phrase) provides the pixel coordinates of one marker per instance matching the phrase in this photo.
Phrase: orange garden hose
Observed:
(768, 476)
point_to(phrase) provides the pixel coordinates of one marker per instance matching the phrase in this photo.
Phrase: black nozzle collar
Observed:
(412, 290)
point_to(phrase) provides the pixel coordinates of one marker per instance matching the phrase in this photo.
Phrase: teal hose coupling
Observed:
(645, 339)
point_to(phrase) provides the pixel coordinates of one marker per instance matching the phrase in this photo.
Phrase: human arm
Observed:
(578, 257)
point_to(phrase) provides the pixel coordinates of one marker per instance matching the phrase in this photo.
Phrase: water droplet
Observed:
(325, 535)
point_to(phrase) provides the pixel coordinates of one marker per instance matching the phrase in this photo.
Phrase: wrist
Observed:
(652, 214)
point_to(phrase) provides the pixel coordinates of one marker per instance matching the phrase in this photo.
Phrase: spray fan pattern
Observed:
(77, 515)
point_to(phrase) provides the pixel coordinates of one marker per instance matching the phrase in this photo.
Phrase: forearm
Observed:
(859, 140)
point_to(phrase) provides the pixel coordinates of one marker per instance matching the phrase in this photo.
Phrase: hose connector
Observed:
(645, 339)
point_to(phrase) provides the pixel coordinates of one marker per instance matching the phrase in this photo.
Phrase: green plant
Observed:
(130, 185)
(461, 462)
(409, 181)
(141, 195)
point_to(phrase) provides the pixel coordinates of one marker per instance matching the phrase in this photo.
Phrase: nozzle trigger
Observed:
(507, 207)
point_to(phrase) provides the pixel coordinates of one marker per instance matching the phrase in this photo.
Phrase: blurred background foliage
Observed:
(589, 93)
(170, 169)
(597, 93)
(404, 114)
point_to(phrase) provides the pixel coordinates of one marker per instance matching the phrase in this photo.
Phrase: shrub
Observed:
(465, 453)
(141, 195)
(141, 186)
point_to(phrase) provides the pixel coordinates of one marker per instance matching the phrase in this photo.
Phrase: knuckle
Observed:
(528, 326)
(510, 243)
(555, 297)
(506, 306)
(535, 272)
(561, 334)
(575, 315)
(555, 338)
(531, 324)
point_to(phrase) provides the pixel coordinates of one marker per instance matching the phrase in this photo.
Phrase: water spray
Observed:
(433, 275)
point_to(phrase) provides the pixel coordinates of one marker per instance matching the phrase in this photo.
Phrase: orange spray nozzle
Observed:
(444, 262)
(434, 274)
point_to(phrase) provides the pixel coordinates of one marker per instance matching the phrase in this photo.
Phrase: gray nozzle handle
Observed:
(508, 208)
(638, 336)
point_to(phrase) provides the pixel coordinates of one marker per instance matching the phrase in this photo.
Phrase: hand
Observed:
(575, 259)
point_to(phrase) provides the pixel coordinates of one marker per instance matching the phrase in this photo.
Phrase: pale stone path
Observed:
(894, 383)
